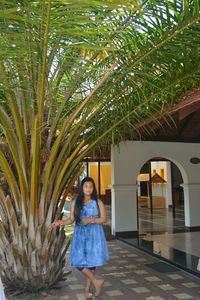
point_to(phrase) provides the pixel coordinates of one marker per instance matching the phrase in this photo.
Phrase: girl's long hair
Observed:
(80, 198)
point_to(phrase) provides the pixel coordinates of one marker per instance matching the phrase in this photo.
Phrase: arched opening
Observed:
(160, 197)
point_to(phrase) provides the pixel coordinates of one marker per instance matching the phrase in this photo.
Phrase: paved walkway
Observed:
(128, 276)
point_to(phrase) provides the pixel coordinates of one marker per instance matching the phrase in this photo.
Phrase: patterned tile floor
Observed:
(161, 221)
(127, 277)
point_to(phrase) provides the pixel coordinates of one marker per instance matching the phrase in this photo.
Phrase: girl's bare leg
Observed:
(88, 283)
(98, 283)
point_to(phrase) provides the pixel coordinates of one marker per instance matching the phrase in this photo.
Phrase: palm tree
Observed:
(74, 76)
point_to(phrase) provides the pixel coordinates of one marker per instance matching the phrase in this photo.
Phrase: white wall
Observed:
(127, 160)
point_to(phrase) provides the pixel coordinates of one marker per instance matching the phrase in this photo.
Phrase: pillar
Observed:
(168, 185)
(192, 205)
(124, 210)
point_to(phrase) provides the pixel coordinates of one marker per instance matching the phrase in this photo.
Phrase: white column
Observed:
(168, 185)
(124, 208)
(192, 204)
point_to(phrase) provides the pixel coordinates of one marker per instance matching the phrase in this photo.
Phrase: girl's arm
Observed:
(69, 221)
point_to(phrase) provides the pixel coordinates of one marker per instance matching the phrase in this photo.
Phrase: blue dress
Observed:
(88, 245)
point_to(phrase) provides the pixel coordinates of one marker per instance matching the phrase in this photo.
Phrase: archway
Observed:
(160, 197)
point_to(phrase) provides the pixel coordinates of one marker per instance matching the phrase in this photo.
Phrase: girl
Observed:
(88, 247)
(2, 295)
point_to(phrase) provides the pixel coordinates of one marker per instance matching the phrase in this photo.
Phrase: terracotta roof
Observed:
(179, 121)
(187, 104)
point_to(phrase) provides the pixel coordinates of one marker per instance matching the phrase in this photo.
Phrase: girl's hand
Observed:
(85, 220)
(92, 220)
(57, 223)
(88, 220)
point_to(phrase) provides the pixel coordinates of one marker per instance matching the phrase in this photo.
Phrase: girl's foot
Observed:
(98, 285)
(88, 295)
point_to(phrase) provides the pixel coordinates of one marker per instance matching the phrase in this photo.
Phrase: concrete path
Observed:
(127, 277)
